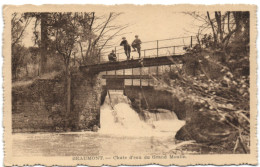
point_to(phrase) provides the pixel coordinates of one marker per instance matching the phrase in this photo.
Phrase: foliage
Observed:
(19, 56)
(225, 100)
(19, 23)
(215, 79)
(224, 27)
(80, 37)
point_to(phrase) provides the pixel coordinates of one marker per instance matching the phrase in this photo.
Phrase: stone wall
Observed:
(41, 105)
(157, 99)
(34, 105)
(86, 95)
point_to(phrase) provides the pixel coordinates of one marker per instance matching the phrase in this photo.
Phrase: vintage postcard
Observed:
(130, 85)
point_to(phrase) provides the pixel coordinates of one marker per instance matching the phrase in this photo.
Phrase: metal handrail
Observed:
(149, 49)
(165, 47)
(152, 41)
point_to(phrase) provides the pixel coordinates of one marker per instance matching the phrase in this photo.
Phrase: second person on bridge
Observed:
(136, 44)
(127, 47)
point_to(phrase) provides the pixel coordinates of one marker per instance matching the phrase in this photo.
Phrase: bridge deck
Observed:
(144, 62)
(126, 77)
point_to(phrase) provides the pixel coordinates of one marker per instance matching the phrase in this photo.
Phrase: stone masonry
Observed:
(86, 99)
(41, 105)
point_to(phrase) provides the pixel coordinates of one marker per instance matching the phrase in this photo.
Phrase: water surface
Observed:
(122, 132)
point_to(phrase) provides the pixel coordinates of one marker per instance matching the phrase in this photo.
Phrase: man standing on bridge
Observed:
(127, 47)
(136, 44)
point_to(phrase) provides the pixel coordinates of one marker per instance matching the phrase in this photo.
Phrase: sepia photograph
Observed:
(130, 85)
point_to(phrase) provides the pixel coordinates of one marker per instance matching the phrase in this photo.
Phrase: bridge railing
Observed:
(156, 48)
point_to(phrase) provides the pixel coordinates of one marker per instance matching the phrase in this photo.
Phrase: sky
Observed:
(148, 23)
(152, 24)
(155, 25)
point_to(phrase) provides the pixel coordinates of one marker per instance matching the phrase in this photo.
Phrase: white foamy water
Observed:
(117, 117)
(122, 133)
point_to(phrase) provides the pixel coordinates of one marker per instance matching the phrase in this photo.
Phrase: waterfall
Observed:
(118, 117)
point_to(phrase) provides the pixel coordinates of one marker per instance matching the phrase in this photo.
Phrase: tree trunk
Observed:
(228, 23)
(43, 44)
(238, 22)
(213, 30)
(68, 92)
(218, 20)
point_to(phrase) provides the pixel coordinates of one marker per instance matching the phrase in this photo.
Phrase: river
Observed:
(122, 132)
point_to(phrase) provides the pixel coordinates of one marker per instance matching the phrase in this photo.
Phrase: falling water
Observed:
(118, 117)
(122, 132)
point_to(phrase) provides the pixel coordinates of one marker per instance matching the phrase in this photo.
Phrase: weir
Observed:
(118, 117)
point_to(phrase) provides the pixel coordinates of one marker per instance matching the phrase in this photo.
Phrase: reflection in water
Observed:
(122, 133)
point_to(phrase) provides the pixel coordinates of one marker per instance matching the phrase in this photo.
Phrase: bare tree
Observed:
(41, 37)
(44, 41)
(101, 31)
(223, 25)
(213, 29)
(19, 23)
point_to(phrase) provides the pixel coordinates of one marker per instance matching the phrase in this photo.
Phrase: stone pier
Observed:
(86, 100)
